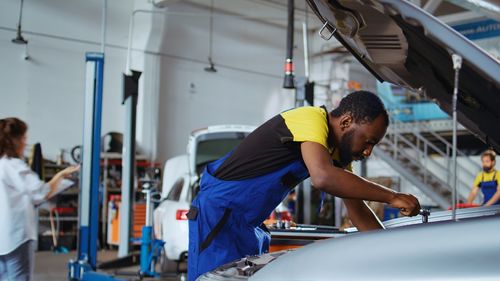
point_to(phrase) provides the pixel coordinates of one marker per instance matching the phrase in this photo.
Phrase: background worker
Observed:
(20, 187)
(240, 190)
(487, 181)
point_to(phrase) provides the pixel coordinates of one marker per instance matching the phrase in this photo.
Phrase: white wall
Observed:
(47, 90)
(246, 89)
(171, 51)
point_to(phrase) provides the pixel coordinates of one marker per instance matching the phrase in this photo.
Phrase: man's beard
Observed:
(345, 152)
(487, 169)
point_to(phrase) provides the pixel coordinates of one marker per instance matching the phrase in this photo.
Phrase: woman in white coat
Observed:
(20, 188)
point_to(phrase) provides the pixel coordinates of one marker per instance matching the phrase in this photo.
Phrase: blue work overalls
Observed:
(489, 188)
(226, 216)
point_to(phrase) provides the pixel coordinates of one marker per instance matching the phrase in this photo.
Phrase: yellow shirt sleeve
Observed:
(307, 123)
(310, 123)
(477, 181)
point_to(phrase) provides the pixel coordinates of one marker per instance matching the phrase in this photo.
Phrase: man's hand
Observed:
(406, 203)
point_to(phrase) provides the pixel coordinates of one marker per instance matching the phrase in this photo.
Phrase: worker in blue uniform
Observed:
(240, 190)
(487, 181)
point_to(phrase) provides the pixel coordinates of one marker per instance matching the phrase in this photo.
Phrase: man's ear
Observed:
(346, 121)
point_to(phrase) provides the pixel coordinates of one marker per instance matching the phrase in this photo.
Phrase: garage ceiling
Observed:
(274, 11)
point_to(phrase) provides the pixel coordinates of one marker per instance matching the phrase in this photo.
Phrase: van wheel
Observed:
(167, 265)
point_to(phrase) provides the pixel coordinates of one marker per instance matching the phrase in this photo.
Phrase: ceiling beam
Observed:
(488, 8)
(458, 18)
(432, 5)
(417, 2)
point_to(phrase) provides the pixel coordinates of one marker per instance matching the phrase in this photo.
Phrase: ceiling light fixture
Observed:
(211, 67)
(19, 37)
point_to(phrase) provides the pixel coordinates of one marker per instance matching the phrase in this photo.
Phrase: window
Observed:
(209, 150)
(175, 192)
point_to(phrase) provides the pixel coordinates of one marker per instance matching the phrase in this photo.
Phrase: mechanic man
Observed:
(487, 180)
(240, 190)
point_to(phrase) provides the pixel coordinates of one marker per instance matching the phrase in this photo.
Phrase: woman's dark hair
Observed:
(364, 106)
(11, 130)
(489, 153)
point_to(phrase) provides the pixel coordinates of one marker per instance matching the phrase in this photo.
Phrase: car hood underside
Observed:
(402, 44)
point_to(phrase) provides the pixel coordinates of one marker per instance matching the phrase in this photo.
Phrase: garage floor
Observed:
(53, 267)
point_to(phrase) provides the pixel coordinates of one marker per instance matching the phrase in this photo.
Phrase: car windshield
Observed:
(210, 150)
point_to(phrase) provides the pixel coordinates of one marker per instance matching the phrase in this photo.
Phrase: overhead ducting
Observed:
(488, 8)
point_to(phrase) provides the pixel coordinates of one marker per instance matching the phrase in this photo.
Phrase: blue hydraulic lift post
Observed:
(96, 161)
(90, 170)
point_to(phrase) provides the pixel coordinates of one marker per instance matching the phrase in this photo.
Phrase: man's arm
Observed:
(361, 215)
(495, 196)
(343, 184)
(472, 194)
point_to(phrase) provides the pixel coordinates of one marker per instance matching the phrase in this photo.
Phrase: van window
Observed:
(213, 148)
(175, 192)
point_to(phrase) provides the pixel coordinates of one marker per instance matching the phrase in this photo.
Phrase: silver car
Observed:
(402, 44)
(467, 249)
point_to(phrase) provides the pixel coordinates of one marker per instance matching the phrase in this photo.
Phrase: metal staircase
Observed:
(424, 163)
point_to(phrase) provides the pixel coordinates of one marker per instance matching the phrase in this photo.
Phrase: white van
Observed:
(181, 180)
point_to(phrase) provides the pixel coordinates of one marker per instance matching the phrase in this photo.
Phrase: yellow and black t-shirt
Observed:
(276, 143)
(487, 176)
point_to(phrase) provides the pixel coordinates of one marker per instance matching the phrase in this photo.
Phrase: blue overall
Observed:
(489, 188)
(226, 216)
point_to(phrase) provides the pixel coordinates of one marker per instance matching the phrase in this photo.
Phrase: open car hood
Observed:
(402, 44)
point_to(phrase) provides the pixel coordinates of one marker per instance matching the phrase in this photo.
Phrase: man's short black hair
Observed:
(364, 106)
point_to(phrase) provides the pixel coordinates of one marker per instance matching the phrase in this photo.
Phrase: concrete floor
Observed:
(50, 266)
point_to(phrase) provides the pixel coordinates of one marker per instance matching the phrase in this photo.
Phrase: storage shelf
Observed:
(60, 218)
(111, 171)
